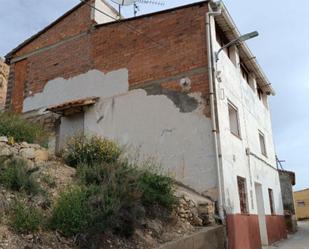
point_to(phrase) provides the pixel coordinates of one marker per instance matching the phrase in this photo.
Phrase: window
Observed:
(262, 143)
(222, 39)
(241, 182)
(301, 203)
(260, 92)
(244, 72)
(234, 120)
(271, 201)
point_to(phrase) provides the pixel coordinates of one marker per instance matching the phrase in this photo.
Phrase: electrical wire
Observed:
(130, 27)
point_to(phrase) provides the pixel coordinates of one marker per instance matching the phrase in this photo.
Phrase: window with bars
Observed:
(242, 190)
(271, 201)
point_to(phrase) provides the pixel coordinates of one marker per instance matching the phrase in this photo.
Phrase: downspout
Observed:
(213, 107)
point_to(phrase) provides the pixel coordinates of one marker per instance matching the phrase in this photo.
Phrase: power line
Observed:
(130, 27)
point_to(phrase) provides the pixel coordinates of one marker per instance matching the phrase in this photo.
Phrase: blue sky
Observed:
(282, 49)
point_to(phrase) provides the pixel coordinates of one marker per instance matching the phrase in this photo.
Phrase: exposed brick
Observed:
(180, 34)
(73, 24)
(19, 84)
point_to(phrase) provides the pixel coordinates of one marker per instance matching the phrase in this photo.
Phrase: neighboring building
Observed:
(145, 83)
(287, 181)
(4, 73)
(302, 204)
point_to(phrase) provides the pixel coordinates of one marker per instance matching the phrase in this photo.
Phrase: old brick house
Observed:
(151, 82)
(4, 73)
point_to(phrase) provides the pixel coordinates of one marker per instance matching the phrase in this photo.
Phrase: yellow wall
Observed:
(302, 204)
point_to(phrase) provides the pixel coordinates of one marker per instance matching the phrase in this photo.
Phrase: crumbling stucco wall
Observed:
(155, 126)
(168, 126)
(90, 84)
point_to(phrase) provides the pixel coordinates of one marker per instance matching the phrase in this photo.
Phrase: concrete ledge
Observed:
(207, 238)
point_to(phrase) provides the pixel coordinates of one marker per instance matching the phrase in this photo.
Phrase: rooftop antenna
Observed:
(279, 163)
(135, 3)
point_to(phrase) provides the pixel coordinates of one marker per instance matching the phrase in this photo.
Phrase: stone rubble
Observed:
(33, 152)
(196, 213)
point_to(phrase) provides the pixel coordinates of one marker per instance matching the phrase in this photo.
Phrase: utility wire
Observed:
(130, 27)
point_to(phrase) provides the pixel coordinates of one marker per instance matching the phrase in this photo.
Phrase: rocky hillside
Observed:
(31, 182)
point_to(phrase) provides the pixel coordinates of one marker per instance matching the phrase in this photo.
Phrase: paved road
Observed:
(300, 240)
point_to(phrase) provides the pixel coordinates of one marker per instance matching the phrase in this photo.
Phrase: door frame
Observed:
(261, 213)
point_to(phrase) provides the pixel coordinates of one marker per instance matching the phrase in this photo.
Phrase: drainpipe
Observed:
(213, 106)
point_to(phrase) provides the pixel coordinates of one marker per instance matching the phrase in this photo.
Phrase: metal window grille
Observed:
(242, 195)
(271, 201)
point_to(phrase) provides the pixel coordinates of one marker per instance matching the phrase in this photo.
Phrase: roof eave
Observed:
(153, 13)
(233, 32)
(11, 53)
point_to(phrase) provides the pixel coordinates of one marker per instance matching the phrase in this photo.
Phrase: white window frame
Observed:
(231, 106)
(262, 142)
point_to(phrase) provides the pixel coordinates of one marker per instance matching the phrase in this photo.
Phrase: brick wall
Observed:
(74, 23)
(179, 51)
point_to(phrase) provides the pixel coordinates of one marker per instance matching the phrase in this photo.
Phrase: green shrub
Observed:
(114, 197)
(92, 174)
(24, 219)
(14, 176)
(71, 212)
(90, 150)
(157, 189)
(109, 200)
(111, 188)
(113, 207)
(13, 125)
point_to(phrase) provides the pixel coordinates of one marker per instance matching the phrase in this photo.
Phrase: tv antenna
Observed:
(135, 4)
(279, 163)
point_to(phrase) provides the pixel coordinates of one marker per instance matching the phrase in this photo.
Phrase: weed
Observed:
(20, 129)
(47, 179)
(14, 176)
(157, 189)
(24, 219)
(71, 213)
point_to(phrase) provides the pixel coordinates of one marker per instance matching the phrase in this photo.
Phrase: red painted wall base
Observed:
(276, 228)
(244, 233)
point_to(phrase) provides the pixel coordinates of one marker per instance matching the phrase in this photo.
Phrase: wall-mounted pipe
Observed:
(213, 107)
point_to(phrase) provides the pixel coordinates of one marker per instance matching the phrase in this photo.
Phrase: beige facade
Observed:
(4, 73)
(302, 204)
